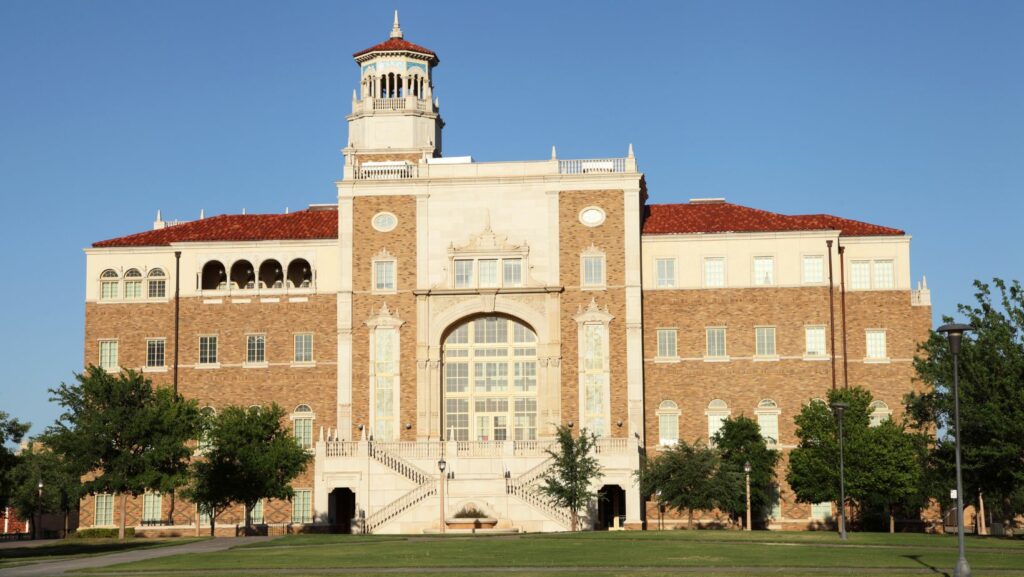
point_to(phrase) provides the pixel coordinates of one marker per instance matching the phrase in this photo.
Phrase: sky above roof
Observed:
(906, 114)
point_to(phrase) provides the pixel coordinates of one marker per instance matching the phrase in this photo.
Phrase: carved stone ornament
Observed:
(384, 318)
(592, 313)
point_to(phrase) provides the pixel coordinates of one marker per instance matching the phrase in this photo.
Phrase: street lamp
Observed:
(39, 511)
(838, 409)
(955, 332)
(441, 465)
(746, 469)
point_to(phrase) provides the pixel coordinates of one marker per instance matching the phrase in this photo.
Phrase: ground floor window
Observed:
(104, 509)
(151, 505)
(256, 515)
(302, 506)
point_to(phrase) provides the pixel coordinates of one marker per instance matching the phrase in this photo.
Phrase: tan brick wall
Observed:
(412, 157)
(400, 243)
(574, 239)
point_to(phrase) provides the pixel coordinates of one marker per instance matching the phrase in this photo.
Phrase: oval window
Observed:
(592, 216)
(385, 221)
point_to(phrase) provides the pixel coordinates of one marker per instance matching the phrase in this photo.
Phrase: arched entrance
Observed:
(489, 380)
(341, 509)
(611, 503)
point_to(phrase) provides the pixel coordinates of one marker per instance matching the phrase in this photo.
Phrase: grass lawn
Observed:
(68, 548)
(601, 553)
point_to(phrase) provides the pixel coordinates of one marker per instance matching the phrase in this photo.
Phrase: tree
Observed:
(896, 476)
(688, 477)
(991, 400)
(11, 431)
(129, 435)
(574, 468)
(249, 456)
(739, 441)
(61, 485)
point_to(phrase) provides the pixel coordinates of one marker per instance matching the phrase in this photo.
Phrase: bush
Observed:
(102, 533)
(470, 512)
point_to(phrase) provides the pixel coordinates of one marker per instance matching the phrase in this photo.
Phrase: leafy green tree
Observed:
(11, 431)
(574, 468)
(249, 455)
(689, 477)
(991, 400)
(896, 475)
(129, 435)
(739, 441)
(61, 485)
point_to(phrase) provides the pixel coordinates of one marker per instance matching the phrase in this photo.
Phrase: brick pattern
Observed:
(413, 157)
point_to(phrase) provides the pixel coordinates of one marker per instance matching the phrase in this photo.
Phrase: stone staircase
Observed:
(524, 488)
(426, 487)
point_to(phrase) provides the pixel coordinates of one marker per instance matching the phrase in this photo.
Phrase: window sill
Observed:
(303, 364)
(112, 370)
(208, 366)
(766, 358)
(717, 359)
(594, 288)
(666, 360)
(154, 369)
(262, 365)
(884, 361)
(384, 292)
(665, 287)
(817, 358)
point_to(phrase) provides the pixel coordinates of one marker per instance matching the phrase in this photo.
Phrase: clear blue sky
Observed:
(906, 114)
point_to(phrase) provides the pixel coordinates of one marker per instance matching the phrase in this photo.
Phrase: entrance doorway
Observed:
(611, 504)
(341, 508)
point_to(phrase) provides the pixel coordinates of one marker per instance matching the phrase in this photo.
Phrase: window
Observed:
(255, 349)
(814, 268)
(384, 275)
(385, 373)
(155, 353)
(665, 271)
(716, 343)
(104, 510)
(463, 273)
(668, 423)
(592, 216)
(108, 355)
(457, 419)
(488, 271)
(302, 420)
(814, 338)
(775, 498)
(667, 343)
(526, 419)
(821, 511)
(303, 348)
(593, 271)
(513, 272)
(768, 419)
(302, 506)
(203, 442)
(717, 412)
(151, 507)
(108, 285)
(133, 284)
(876, 345)
(204, 515)
(860, 274)
(208, 350)
(714, 271)
(883, 274)
(765, 341)
(157, 287)
(384, 221)
(256, 514)
(879, 412)
(764, 270)
(595, 378)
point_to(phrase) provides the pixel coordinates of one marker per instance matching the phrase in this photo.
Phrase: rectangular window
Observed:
(593, 271)
(385, 372)
(256, 515)
(488, 271)
(665, 272)
(765, 345)
(132, 289)
(151, 507)
(384, 275)
(814, 338)
(304, 432)
(860, 274)
(157, 289)
(513, 272)
(525, 376)
(108, 290)
(714, 272)
(821, 511)
(764, 270)
(155, 353)
(876, 344)
(490, 377)
(525, 419)
(595, 379)
(302, 506)
(716, 342)
(775, 497)
(769, 423)
(304, 348)
(667, 343)
(457, 415)
(104, 510)
(463, 273)
(668, 428)
(108, 355)
(715, 421)
(456, 377)
(208, 350)
(814, 268)
(255, 349)
(884, 274)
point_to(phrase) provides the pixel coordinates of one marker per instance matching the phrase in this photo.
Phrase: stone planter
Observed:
(471, 523)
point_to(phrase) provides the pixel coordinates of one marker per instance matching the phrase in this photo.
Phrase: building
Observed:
(459, 309)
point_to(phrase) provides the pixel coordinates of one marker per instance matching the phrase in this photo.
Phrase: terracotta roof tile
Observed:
(396, 45)
(721, 217)
(301, 225)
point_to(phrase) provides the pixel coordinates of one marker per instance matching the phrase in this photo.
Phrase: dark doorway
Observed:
(341, 508)
(611, 503)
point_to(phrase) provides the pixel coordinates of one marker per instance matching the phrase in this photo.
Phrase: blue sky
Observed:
(906, 114)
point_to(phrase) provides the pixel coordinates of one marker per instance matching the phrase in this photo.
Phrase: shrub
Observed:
(102, 533)
(470, 512)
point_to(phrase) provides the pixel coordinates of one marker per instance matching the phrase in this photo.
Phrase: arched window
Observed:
(879, 412)
(242, 275)
(717, 412)
(271, 274)
(768, 419)
(108, 284)
(214, 276)
(300, 274)
(157, 284)
(133, 284)
(302, 419)
(207, 414)
(668, 423)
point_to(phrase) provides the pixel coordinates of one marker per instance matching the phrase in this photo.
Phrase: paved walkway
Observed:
(47, 568)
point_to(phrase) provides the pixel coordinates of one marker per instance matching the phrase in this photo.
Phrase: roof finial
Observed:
(396, 30)
(630, 153)
(202, 213)
(554, 155)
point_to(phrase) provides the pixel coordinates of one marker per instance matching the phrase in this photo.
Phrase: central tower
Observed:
(395, 117)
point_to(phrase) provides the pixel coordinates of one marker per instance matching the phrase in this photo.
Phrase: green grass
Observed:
(69, 548)
(603, 554)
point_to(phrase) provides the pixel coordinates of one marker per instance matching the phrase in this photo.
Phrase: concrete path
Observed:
(47, 568)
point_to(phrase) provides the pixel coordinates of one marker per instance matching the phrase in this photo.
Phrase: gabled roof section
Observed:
(721, 217)
(310, 224)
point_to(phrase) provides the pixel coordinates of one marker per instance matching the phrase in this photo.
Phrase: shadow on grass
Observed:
(69, 548)
(917, 559)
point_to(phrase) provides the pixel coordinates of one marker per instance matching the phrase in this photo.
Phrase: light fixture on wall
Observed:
(570, 424)
(618, 423)
(360, 427)
(408, 426)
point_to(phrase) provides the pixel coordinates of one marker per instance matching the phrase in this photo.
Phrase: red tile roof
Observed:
(717, 217)
(301, 225)
(396, 45)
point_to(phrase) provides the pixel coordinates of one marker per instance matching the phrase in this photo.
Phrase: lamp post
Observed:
(746, 471)
(955, 332)
(441, 465)
(839, 409)
(36, 532)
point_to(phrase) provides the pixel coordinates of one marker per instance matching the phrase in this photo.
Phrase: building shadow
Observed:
(917, 559)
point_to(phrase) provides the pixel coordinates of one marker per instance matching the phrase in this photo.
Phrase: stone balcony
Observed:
(402, 170)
